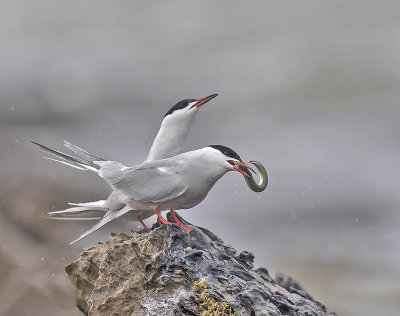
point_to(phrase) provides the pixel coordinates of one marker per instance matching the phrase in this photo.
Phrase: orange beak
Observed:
(202, 101)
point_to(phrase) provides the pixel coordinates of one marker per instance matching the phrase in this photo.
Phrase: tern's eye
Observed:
(180, 105)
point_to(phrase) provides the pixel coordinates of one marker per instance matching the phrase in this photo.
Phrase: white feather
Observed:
(77, 209)
(66, 163)
(99, 203)
(77, 218)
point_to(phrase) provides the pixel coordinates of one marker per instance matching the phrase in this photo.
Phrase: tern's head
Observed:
(230, 159)
(175, 127)
(187, 108)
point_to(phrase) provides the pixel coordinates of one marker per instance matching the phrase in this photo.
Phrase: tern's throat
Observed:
(171, 137)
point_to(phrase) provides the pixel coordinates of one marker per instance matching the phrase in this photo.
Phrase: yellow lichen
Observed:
(213, 307)
(199, 286)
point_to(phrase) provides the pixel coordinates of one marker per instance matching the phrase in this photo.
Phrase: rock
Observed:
(291, 285)
(168, 272)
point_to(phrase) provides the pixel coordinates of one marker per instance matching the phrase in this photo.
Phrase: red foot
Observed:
(162, 219)
(179, 223)
(145, 227)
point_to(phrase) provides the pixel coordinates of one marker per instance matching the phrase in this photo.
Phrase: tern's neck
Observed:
(170, 138)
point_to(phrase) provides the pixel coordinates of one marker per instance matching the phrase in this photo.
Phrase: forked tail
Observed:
(80, 212)
(82, 159)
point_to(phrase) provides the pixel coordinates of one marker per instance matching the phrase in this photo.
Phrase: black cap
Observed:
(180, 105)
(227, 151)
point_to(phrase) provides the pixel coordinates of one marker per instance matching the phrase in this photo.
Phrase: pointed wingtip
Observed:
(79, 238)
(72, 242)
(40, 145)
(85, 234)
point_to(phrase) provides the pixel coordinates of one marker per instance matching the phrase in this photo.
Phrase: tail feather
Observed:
(99, 203)
(59, 153)
(76, 162)
(75, 218)
(67, 164)
(83, 154)
(78, 213)
(77, 209)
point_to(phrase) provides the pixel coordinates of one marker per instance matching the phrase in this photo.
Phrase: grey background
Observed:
(311, 89)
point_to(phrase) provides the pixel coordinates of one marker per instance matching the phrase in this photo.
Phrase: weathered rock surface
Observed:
(167, 272)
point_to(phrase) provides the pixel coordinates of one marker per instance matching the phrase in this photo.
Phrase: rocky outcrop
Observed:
(168, 272)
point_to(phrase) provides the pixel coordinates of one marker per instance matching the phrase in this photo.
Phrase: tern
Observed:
(172, 174)
(168, 142)
(179, 182)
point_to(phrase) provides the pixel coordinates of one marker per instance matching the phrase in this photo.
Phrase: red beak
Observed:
(242, 172)
(202, 101)
(235, 166)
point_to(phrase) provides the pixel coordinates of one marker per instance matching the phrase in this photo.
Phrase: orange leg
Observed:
(140, 218)
(180, 224)
(162, 219)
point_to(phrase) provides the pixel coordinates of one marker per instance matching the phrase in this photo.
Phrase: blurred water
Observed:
(310, 89)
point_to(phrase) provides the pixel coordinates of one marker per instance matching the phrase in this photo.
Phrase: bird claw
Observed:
(145, 227)
(169, 223)
(161, 220)
(187, 228)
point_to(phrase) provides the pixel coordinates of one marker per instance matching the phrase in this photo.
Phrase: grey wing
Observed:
(152, 184)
